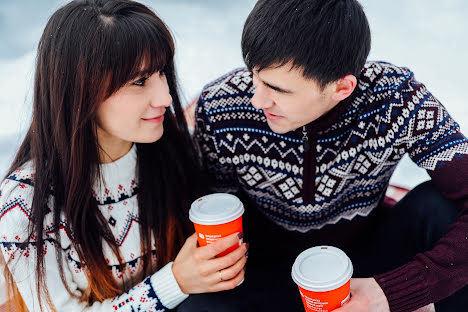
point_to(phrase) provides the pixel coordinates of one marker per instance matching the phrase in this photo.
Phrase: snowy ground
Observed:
(427, 36)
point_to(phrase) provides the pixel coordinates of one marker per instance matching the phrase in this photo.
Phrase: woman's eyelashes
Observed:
(140, 82)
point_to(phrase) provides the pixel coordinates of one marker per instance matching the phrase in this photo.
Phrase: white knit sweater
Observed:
(117, 201)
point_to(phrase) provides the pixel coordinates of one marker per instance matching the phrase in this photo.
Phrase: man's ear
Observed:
(344, 87)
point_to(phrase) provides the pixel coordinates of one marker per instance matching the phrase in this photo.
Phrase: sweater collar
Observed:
(331, 117)
(122, 170)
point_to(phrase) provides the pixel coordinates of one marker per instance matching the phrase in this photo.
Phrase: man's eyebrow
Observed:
(281, 90)
(269, 85)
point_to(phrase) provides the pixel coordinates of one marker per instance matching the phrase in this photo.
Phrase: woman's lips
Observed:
(157, 119)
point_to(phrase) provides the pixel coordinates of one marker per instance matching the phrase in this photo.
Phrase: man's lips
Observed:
(271, 116)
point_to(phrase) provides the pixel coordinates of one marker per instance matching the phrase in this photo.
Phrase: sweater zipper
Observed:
(308, 186)
(305, 139)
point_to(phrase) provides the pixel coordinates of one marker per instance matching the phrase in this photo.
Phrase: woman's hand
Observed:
(197, 270)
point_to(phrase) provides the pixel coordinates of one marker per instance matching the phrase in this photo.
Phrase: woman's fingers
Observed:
(230, 284)
(232, 271)
(198, 270)
(228, 260)
(215, 248)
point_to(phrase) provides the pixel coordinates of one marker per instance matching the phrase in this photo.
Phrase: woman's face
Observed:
(135, 113)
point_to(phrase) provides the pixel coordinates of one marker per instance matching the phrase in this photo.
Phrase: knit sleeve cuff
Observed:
(166, 287)
(405, 288)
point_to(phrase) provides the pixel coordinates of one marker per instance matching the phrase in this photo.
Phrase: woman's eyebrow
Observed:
(144, 72)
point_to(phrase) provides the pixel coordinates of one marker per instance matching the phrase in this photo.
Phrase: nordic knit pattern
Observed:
(117, 201)
(354, 150)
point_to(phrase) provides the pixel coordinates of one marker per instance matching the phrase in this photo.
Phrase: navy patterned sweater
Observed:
(354, 150)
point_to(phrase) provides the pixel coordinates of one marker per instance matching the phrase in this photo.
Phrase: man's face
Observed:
(289, 100)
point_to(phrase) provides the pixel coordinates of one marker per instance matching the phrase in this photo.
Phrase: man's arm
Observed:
(434, 142)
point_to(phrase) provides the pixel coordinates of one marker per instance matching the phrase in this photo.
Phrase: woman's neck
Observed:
(111, 148)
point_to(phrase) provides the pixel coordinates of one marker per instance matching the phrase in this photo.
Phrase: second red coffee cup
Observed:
(323, 276)
(215, 216)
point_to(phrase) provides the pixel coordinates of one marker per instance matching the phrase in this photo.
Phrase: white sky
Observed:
(428, 36)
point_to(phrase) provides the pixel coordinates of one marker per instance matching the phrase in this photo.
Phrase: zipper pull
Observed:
(305, 138)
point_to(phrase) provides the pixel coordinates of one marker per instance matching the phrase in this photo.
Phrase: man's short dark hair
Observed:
(327, 39)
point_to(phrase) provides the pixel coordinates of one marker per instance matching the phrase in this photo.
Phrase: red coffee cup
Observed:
(323, 276)
(215, 216)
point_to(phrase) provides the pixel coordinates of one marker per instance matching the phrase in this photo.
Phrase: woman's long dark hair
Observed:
(89, 49)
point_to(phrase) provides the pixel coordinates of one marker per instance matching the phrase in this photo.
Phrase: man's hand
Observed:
(366, 296)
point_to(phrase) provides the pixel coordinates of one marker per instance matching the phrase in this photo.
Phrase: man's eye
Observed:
(140, 82)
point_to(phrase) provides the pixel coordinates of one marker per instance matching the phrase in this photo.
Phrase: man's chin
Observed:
(278, 128)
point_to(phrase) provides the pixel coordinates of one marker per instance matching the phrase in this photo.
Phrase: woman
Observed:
(94, 208)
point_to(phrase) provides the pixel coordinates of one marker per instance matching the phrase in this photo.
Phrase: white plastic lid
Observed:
(218, 208)
(322, 268)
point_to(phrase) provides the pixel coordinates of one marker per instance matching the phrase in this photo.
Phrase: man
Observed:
(311, 134)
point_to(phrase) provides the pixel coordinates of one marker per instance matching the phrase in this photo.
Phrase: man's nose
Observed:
(261, 99)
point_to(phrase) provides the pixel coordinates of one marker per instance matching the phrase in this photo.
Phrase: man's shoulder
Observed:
(225, 105)
(382, 73)
(237, 83)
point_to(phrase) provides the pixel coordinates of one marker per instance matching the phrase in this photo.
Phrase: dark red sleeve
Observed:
(434, 142)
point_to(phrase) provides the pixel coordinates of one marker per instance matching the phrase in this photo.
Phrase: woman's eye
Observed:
(162, 73)
(140, 82)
